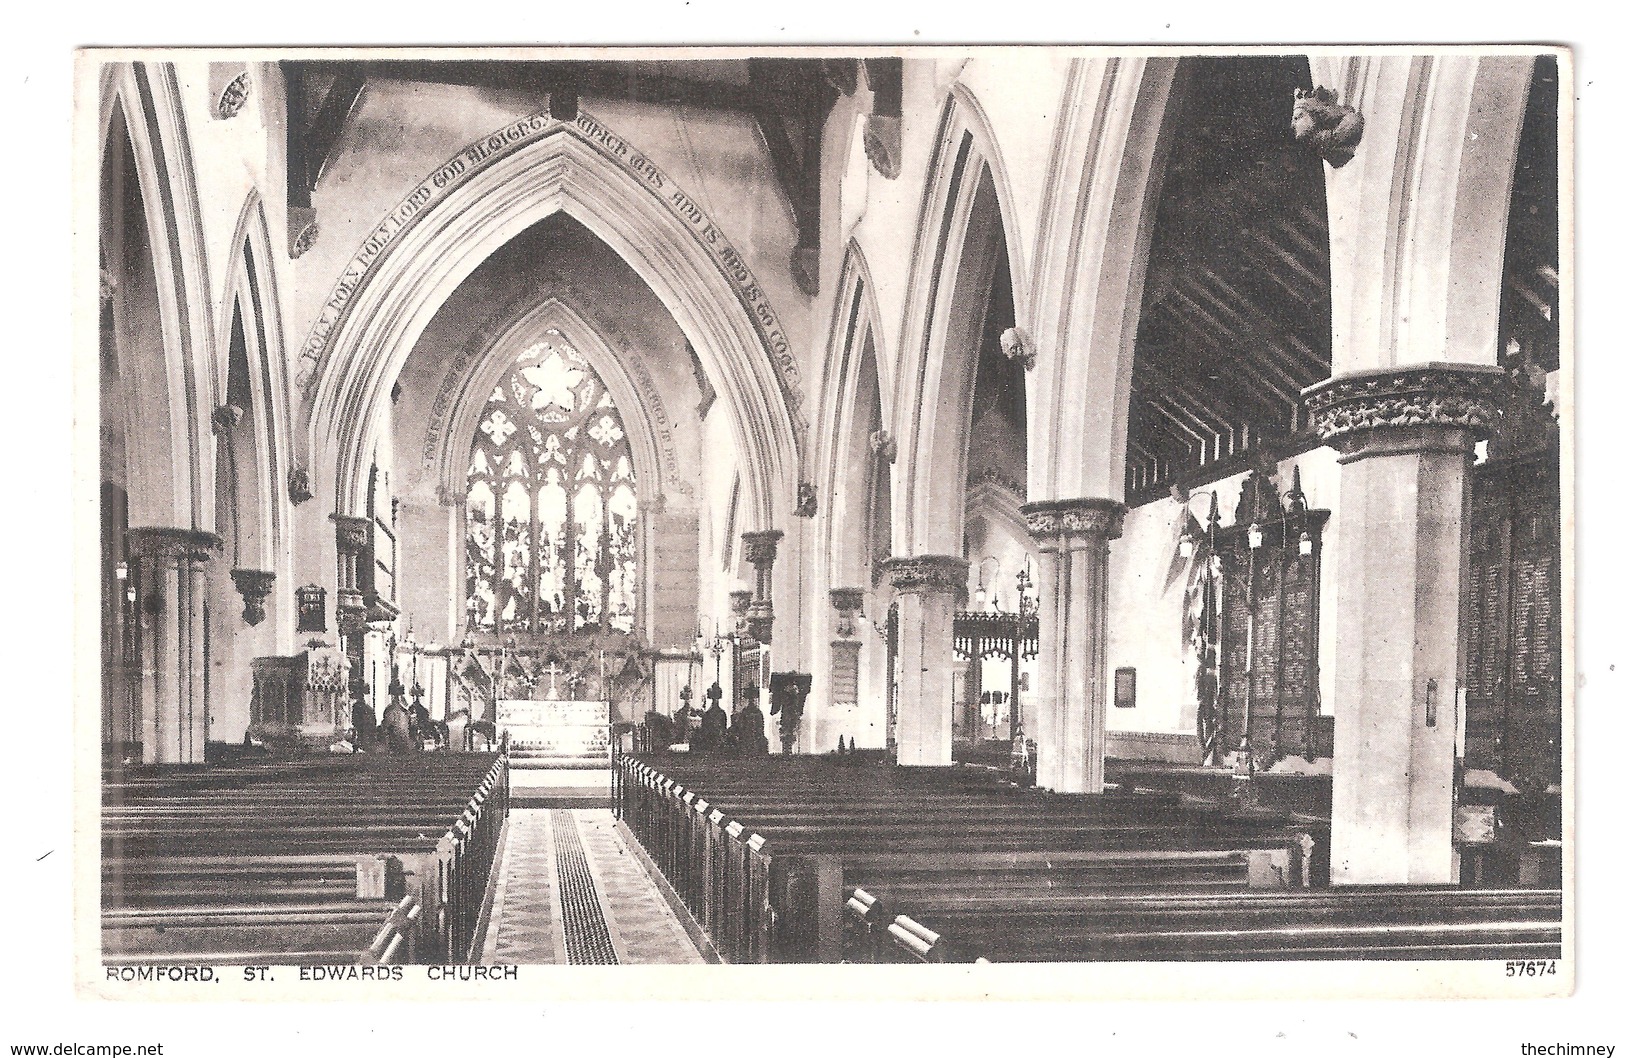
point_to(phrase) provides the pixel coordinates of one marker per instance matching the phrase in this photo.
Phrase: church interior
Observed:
(1021, 505)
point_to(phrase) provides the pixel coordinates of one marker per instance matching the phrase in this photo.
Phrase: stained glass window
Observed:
(551, 506)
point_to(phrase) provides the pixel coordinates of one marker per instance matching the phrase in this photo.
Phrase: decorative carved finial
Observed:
(884, 446)
(883, 143)
(233, 97)
(806, 500)
(299, 485)
(226, 417)
(1018, 346)
(304, 239)
(1329, 128)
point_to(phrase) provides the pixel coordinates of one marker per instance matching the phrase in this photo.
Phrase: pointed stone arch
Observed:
(963, 225)
(1099, 207)
(251, 289)
(176, 470)
(852, 385)
(530, 171)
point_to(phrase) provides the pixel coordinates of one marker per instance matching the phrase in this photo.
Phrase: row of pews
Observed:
(345, 859)
(798, 859)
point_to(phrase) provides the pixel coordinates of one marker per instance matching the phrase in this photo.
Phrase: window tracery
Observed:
(551, 503)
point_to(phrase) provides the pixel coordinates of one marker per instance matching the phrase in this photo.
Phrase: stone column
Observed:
(169, 567)
(350, 536)
(1406, 436)
(761, 548)
(1069, 711)
(928, 589)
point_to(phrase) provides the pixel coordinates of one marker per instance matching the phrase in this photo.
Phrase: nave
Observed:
(1043, 505)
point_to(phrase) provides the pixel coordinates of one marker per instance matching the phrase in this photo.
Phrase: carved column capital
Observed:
(847, 602)
(254, 585)
(762, 546)
(1098, 518)
(1457, 402)
(169, 544)
(927, 573)
(350, 533)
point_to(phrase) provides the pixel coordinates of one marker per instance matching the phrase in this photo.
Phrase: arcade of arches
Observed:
(1050, 416)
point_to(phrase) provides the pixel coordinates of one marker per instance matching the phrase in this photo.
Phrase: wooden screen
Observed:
(1269, 622)
(1512, 632)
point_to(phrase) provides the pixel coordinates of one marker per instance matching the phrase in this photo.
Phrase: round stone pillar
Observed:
(1069, 709)
(928, 589)
(1406, 436)
(169, 567)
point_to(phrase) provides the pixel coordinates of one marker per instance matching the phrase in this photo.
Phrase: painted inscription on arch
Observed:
(481, 154)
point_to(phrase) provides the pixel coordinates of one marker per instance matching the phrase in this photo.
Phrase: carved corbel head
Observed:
(1018, 346)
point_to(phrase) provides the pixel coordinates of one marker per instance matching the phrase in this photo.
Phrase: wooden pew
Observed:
(383, 859)
(712, 859)
(1378, 922)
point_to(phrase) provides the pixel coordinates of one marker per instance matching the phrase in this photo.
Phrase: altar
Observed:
(555, 734)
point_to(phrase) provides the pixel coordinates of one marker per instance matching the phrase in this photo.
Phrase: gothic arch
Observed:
(1099, 206)
(561, 170)
(1430, 185)
(852, 383)
(251, 289)
(963, 226)
(175, 472)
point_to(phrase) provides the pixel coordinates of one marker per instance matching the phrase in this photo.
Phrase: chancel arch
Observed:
(560, 171)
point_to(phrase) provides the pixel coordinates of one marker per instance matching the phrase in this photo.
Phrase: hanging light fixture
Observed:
(1255, 536)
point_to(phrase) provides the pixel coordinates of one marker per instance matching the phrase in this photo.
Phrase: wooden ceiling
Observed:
(789, 99)
(1236, 316)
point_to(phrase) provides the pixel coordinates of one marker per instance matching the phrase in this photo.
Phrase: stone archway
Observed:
(498, 188)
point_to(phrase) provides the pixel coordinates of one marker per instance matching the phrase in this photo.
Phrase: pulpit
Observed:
(300, 700)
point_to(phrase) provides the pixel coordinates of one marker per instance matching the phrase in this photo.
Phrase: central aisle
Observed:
(570, 892)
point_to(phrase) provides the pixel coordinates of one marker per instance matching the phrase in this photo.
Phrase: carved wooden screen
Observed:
(1269, 601)
(1512, 632)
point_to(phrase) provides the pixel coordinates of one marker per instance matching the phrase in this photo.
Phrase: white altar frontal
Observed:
(555, 734)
